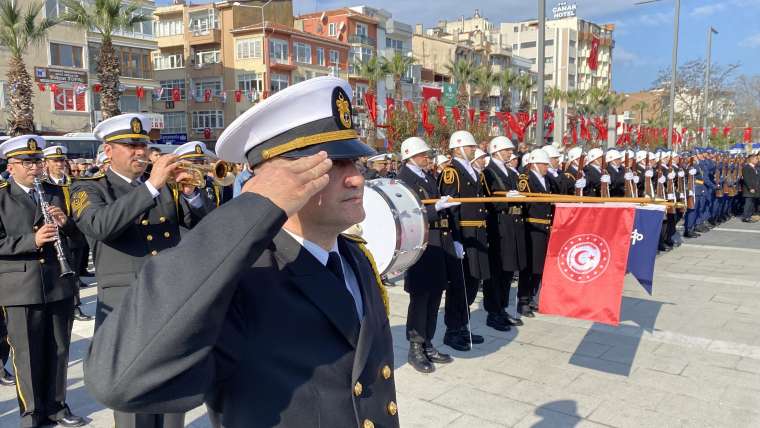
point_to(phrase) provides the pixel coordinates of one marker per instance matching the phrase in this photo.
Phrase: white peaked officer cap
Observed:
(593, 155)
(498, 144)
(478, 154)
(23, 147)
(441, 159)
(612, 155)
(413, 146)
(551, 151)
(298, 121)
(574, 154)
(538, 156)
(130, 128)
(193, 150)
(461, 139)
(55, 152)
(382, 157)
(102, 159)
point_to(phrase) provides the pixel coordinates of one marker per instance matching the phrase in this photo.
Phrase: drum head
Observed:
(379, 228)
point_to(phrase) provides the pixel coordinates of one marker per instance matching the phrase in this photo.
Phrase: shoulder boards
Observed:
(353, 238)
(3, 184)
(94, 177)
(449, 175)
(570, 176)
(522, 184)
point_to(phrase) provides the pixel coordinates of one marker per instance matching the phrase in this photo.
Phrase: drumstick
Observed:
(550, 199)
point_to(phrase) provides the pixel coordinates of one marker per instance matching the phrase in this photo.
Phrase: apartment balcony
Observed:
(358, 39)
(170, 41)
(281, 64)
(205, 70)
(204, 36)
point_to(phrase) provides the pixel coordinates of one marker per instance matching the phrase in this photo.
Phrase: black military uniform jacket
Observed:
(560, 184)
(258, 325)
(126, 224)
(29, 275)
(506, 227)
(570, 173)
(429, 273)
(468, 221)
(750, 181)
(538, 220)
(617, 181)
(593, 181)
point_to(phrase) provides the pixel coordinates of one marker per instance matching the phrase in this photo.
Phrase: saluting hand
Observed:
(290, 184)
(58, 215)
(45, 234)
(162, 170)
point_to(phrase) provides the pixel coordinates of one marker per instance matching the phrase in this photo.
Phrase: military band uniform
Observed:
(438, 266)
(538, 219)
(593, 181)
(506, 236)
(570, 173)
(750, 190)
(37, 303)
(468, 227)
(617, 180)
(128, 226)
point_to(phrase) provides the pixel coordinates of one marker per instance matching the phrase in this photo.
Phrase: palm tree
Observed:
(397, 67)
(524, 84)
(18, 31)
(484, 79)
(371, 70)
(105, 17)
(640, 107)
(507, 79)
(461, 72)
(555, 95)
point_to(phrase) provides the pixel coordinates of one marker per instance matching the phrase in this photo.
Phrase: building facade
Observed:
(67, 61)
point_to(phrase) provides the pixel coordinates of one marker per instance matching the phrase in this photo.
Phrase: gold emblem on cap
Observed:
(136, 126)
(344, 110)
(198, 149)
(31, 144)
(58, 151)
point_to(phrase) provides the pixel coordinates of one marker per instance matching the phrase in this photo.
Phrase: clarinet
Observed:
(65, 268)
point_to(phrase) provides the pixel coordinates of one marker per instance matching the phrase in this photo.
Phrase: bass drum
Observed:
(395, 227)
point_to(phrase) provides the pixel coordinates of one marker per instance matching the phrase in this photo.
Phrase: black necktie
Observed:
(335, 266)
(33, 195)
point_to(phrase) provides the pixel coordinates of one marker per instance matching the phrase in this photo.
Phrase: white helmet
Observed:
(641, 155)
(441, 159)
(612, 155)
(413, 146)
(498, 144)
(461, 139)
(512, 157)
(551, 151)
(593, 155)
(478, 154)
(538, 156)
(631, 154)
(574, 154)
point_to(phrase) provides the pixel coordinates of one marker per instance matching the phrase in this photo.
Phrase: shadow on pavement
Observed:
(551, 419)
(624, 340)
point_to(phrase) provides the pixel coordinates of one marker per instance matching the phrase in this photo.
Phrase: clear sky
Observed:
(643, 35)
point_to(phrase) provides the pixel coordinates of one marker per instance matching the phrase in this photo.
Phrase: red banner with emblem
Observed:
(593, 56)
(586, 262)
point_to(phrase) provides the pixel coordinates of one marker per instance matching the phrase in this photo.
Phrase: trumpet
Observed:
(221, 173)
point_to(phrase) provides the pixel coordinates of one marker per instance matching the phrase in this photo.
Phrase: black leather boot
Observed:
(436, 356)
(418, 360)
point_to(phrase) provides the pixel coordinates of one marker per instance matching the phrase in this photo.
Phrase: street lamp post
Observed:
(710, 32)
(540, 59)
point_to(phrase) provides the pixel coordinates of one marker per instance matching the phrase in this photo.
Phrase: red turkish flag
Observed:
(714, 131)
(425, 122)
(176, 96)
(140, 92)
(726, 131)
(41, 87)
(442, 115)
(207, 95)
(471, 112)
(238, 95)
(586, 262)
(54, 87)
(593, 60)
(457, 115)
(748, 134)
(207, 133)
(370, 100)
(483, 117)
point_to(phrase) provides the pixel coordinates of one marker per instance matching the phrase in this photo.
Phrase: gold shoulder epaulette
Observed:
(449, 175)
(94, 177)
(3, 184)
(570, 176)
(522, 184)
(354, 238)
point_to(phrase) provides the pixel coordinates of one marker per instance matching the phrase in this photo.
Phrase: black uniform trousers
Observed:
(422, 316)
(749, 208)
(40, 336)
(5, 349)
(496, 291)
(459, 296)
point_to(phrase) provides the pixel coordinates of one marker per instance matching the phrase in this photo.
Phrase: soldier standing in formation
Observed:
(37, 301)
(131, 217)
(750, 188)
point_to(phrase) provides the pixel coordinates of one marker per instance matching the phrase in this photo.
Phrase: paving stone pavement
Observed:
(689, 355)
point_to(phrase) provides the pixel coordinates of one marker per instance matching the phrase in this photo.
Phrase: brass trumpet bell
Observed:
(221, 173)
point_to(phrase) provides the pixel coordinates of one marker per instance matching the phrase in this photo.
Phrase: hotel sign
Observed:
(563, 10)
(49, 75)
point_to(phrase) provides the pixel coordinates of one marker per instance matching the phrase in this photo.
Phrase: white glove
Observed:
(693, 171)
(636, 179)
(580, 183)
(661, 180)
(691, 193)
(606, 179)
(514, 194)
(671, 175)
(459, 249)
(681, 174)
(553, 172)
(649, 173)
(671, 196)
(628, 176)
(444, 203)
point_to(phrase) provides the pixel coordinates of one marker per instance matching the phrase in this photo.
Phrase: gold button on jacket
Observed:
(368, 424)
(149, 237)
(145, 222)
(392, 408)
(387, 372)
(358, 389)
